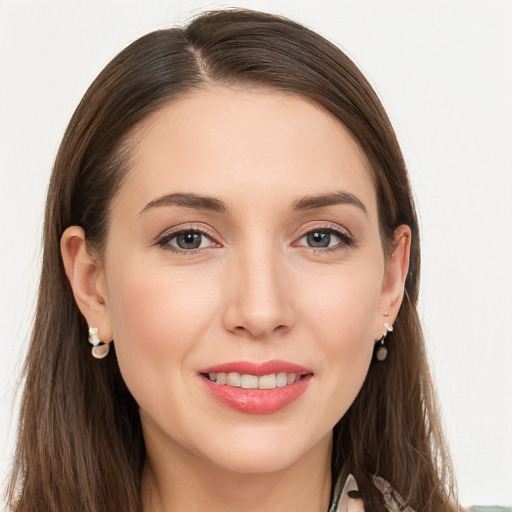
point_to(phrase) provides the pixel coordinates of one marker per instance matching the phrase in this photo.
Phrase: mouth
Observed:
(253, 388)
(248, 381)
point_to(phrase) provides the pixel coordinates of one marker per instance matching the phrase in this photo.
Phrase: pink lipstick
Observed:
(256, 388)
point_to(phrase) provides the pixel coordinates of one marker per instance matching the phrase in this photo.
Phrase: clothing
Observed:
(489, 509)
(346, 500)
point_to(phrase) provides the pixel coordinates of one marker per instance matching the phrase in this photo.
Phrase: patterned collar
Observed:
(346, 497)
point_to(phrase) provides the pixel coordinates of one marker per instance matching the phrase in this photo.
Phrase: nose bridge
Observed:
(259, 301)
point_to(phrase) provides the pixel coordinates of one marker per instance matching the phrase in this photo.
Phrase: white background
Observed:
(443, 70)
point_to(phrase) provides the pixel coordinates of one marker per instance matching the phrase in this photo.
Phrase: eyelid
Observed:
(347, 239)
(163, 238)
(323, 226)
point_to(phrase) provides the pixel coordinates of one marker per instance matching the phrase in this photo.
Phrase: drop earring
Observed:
(380, 349)
(100, 349)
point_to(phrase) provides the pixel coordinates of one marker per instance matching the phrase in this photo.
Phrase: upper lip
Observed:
(258, 369)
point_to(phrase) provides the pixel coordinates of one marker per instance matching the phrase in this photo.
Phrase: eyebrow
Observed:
(322, 200)
(216, 205)
(188, 201)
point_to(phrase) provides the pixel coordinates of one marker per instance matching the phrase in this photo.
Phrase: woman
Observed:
(230, 225)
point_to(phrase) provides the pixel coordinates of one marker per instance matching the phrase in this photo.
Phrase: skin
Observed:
(255, 290)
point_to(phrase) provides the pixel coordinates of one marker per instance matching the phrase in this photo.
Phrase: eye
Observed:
(325, 238)
(320, 239)
(187, 240)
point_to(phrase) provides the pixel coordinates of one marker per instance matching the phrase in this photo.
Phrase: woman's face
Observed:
(244, 250)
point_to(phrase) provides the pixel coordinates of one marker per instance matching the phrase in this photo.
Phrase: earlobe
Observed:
(86, 277)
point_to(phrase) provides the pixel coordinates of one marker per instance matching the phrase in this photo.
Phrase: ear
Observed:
(87, 280)
(393, 284)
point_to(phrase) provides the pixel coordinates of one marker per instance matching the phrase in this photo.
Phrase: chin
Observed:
(259, 463)
(262, 453)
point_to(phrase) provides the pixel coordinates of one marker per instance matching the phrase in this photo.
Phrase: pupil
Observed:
(319, 239)
(189, 240)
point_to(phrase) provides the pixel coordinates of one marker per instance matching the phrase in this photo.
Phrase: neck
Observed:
(190, 484)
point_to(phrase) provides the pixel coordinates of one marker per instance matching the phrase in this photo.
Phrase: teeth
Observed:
(249, 382)
(281, 380)
(234, 379)
(267, 381)
(246, 381)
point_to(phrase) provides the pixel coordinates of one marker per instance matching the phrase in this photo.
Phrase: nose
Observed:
(259, 296)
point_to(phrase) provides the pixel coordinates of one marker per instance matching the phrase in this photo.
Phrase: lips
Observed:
(253, 388)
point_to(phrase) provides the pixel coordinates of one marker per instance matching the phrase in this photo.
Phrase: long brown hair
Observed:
(80, 442)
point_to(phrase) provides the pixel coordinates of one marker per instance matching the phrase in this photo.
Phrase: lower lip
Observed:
(258, 401)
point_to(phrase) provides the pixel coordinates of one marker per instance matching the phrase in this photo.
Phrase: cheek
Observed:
(156, 301)
(157, 319)
(342, 319)
(343, 306)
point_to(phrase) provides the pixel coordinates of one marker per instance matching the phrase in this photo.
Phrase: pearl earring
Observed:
(381, 350)
(100, 349)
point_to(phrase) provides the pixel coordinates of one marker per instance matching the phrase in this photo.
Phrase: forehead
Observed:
(234, 142)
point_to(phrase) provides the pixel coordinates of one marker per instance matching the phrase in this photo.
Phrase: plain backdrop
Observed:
(443, 71)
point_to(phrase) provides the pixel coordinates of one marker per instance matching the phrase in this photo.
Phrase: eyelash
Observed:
(164, 240)
(346, 240)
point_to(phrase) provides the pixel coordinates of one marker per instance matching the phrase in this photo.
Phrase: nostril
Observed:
(257, 315)
(258, 331)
